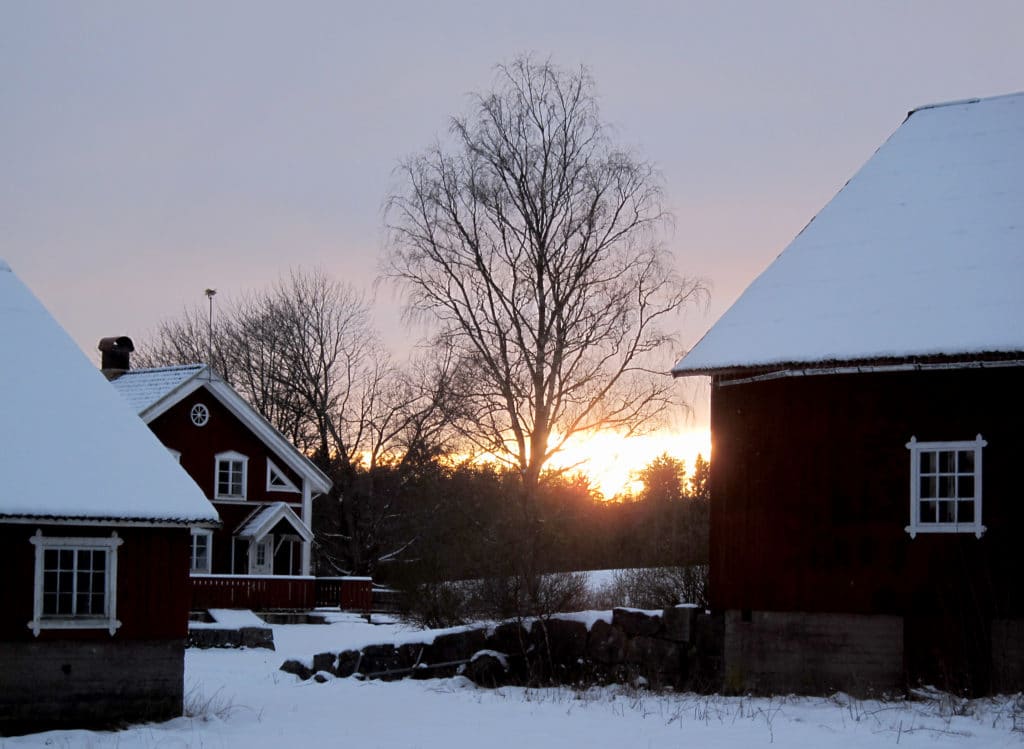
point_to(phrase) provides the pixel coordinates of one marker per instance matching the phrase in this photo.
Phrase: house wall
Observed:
(199, 446)
(810, 497)
(90, 677)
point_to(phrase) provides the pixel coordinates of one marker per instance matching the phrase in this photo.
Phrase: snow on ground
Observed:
(243, 700)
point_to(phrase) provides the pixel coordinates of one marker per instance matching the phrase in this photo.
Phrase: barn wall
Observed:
(810, 498)
(85, 677)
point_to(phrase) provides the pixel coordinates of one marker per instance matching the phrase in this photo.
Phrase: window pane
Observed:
(929, 487)
(965, 487)
(928, 462)
(966, 461)
(50, 559)
(947, 512)
(947, 487)
(49, 603)
(946, 461)
(965, 512)
(929, 512)
(66, 559)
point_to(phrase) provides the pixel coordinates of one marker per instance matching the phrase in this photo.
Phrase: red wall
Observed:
(153, 592)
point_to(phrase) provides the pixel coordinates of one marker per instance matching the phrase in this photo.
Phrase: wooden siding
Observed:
(152, 583)
(810, 497)
(222, 433)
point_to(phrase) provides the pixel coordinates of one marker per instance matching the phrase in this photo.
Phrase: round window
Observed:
(200, 415)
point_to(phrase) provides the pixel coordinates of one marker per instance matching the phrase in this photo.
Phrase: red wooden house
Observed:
(867, 396)
(262, 486)
(95, 522)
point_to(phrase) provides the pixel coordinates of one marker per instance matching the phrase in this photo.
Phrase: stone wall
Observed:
(771, 652)
(676, 647)
(88, 683)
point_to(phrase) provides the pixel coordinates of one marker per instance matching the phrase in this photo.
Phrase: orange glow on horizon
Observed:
(611, 461)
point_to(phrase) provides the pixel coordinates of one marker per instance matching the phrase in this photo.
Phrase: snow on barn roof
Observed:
(920, 255)
(70, 449)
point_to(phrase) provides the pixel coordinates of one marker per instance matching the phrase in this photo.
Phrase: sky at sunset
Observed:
(151, 150)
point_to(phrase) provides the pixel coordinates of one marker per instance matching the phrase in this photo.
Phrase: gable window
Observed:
(75, 583)
(278, 481)
(202, 546)
(231, 478)
(945, 487)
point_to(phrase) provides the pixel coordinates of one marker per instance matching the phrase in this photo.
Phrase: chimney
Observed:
(116, 356)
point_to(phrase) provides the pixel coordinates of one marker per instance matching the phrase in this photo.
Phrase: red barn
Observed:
(95, 522)
(866, 406)
(262, 486)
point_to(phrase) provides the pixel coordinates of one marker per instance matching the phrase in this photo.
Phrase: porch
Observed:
(280, 592)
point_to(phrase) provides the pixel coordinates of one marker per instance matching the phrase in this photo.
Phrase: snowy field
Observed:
(239, 698)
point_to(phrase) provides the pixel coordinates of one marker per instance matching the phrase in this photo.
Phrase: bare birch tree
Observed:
(534, 245)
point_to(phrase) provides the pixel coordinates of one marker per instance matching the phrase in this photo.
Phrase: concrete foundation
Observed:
(100, 683)
(793, 652)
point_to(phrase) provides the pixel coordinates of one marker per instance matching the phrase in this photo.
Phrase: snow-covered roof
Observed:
(144, 387)
(920, 255)
(263, 520)
(151, 392)
(70, 449)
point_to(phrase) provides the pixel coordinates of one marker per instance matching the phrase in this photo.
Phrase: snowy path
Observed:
(253, 704)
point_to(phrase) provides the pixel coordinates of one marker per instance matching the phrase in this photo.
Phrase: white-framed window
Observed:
(945, 487)
(231, 475)
(75, 583)
(202, 549)
(278, 481)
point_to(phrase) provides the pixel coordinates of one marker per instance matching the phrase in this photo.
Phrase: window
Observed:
(202, 543)
(231, 469)
(277, 481)
(945, 487)
(75, 583)
(199, 414)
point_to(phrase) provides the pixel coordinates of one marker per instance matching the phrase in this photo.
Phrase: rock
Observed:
(257, 637)
(606, 644)
(322, 676)
(324, 662)
(379, 659)
(680, 622)
(661, 661)
(298, 668)
(347, 663)
(634, 623)
(455, 646)
(487, 668)
(509, 637)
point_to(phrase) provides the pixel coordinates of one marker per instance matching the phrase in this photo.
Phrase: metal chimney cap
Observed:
(116, 343)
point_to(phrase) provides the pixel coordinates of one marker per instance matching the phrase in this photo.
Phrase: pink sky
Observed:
(151, 151)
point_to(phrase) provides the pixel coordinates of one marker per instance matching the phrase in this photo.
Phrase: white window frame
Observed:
(208, 535)
(232, 457)
(108, 620)
(288, 484)
(916, 449)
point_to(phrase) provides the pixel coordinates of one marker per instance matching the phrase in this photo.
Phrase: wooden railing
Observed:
(254, 592)
(350, 593)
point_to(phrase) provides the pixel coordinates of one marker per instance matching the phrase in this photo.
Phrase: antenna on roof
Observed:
(210, 294)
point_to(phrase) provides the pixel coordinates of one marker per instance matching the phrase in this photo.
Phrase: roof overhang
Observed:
(111, 522)
(739, 375)
(264, 519)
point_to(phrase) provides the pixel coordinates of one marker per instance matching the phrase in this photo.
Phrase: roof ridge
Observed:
(169, 368)
(971, 100)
